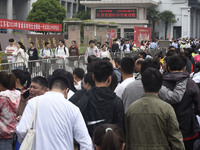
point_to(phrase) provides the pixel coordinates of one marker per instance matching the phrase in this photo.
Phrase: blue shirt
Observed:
(153, 45)
(175, 45)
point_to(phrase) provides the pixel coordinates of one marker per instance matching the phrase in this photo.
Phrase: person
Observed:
(108, 47)
(78, 74)
(73, 49)
(33, 55)
(88, 81)
(174, 44)
(150, 122)
(9, 101)
(108, 137)
(153, 45)
(9, 50)
(46, 54)
(19, 55)
(61, 53)
(127, 46)
(56, 116)
(127, 68)
(115, 46)
(100, 105)
(92, 50)
(23, 79)
(99, 45)
(142, 55)
(39, 86)
(114, 83)
(189, 105)
(196, 76)
(104, 52)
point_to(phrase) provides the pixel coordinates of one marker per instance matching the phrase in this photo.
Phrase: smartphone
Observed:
(26, 94)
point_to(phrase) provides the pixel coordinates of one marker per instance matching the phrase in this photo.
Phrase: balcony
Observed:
(118, 3)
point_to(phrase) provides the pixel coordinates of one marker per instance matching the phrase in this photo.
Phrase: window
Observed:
(69, 7)
(129, 34)
(118, 33)
(88, 28)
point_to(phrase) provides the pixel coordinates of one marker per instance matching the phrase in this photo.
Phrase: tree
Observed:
(47, 11)
(167, 17)
(153, 17)
(84, 15)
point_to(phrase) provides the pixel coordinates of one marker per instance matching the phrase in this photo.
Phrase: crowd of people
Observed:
(141, 103)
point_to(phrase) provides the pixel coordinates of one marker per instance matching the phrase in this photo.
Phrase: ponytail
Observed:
(108, 137)
(8, 81)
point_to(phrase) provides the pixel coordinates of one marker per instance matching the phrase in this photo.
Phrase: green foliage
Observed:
(47, 11)
(167, 16)
(84, 15)
(153, 15)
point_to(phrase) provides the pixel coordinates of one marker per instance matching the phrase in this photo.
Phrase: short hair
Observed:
(41, 81)
(107, 43)
(115, 40)
(11, 40)
(46, 43)
(171, 53)
(103, 45)
(176, 63)
(90, 58)
(99, 43)
(88, 78)
(102, 70)
(150, 63)
(91, 41)
(74, 41)
(151, 80)
(144, 55)
(62, 41)
(79, 72)
(118, 60)
(127, 65)
(31, 43)
(59, 82)
(171, 47)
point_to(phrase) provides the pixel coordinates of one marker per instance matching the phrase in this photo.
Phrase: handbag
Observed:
(29, 138)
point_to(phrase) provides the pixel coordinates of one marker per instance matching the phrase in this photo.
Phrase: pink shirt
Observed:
(10, 50)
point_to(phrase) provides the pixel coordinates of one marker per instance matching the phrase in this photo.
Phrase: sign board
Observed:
(32, 26)
(141, 34)
(116, 13)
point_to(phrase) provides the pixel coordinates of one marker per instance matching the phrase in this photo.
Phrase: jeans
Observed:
(6, 144)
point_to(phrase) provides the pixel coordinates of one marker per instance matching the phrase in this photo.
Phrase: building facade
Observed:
(126, 13)
(187, 14)
(18, 10)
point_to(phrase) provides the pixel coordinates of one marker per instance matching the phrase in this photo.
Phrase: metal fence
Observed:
(45, 67)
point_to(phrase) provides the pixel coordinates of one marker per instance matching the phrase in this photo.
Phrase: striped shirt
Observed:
(10, 50)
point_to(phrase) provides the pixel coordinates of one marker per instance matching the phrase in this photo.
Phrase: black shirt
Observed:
(115, 48)
(33, 54)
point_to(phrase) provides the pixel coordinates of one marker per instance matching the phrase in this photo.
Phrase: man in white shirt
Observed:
(58, 121)
(127, 68)
(78, 74)
(9, 50)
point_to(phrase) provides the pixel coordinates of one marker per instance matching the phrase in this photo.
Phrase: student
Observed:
(73, 50)
(150, 122)
(33, 55)
(46, 52)
(104, 52)
(99, 45)
(9, 50)
(88, 81)
(127, 68)
(56, 116)
(78, 74)
(108, 137)
(115, 46)
(91, 50)
(9, 101)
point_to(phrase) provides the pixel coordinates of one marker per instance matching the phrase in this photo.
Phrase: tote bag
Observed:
(29, 138)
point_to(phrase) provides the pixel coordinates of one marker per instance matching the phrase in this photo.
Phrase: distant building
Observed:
(127, 13)
(187, 14)
(19, 9)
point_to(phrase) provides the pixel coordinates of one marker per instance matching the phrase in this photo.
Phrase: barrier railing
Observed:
(45, 67)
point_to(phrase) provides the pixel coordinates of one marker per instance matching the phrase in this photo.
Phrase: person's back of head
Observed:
(102, 71)
(127, 66)
(150, 63)
(24, 78)
(67, 74)
(151, 80)
(143, 55)
(8, 81)
(91, 58)
(171, 48)
(171, 53)
(118, 62)
(41, 81)
(108, 137)
(176, 63)
(60, 84)
(78, 74)
(88, 81)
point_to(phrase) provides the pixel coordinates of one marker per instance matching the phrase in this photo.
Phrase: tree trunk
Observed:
(166, 28)
(153, 30)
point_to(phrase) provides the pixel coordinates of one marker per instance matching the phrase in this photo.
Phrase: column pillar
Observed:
(71, 11)
(194, 24)
(9, 12)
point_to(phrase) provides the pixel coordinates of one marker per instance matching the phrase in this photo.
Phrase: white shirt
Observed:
(196, 77)
(120, 88)
(128, 48)
(19, 55)
(105, 54)
(61, 52)
(10, 50)
(78, 86)
(58, 122)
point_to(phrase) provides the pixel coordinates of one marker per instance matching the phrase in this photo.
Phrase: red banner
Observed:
(32, 26)
(141, 34)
